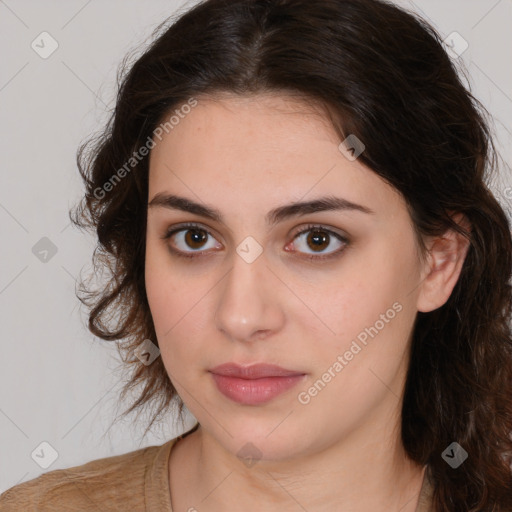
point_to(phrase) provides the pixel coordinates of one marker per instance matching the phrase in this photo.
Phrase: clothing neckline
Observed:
(158, 491)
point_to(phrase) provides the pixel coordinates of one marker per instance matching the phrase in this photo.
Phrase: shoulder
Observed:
(118, 481)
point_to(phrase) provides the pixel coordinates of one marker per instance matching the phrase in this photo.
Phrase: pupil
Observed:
(318, 238)
(195, 236)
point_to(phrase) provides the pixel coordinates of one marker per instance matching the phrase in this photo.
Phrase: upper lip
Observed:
(255, 371)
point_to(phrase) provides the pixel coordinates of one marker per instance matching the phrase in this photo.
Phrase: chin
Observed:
(257, 440)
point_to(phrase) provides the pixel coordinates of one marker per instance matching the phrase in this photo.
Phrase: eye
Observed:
(190, 236)
(317, 238)
(192, 241)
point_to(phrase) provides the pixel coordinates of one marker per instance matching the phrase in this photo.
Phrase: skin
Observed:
(341, 451)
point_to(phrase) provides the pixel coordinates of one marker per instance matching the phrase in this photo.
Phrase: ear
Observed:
(446, 255)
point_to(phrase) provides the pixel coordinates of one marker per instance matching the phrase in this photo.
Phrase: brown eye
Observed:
(195, 238)
(185, 240)
(316, 239)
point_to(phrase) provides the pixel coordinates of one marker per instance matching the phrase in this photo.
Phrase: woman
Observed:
(292, 198)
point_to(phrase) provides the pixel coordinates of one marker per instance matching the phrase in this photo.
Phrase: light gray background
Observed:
(58, 383)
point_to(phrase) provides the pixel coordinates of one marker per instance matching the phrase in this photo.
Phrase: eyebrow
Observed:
(328, 203)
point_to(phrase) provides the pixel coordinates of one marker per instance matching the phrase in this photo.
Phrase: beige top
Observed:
(137, 481)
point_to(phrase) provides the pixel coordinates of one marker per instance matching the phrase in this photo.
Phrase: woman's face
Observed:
(242, 288)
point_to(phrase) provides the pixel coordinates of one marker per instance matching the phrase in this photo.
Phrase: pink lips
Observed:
(256, 384)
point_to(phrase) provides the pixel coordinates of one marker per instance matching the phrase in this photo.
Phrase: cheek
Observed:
(162, 290)
(178, 303)
(365, 359)
(354, 297)
(367, 303)
(176, 330)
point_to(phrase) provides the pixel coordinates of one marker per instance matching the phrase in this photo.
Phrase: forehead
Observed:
(260, 150)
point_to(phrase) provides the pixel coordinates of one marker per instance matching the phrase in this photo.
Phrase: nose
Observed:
(249, 307)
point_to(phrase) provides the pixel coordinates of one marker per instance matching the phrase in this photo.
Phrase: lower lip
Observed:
(254, 391)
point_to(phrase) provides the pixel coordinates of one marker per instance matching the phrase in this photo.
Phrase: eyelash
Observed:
(309, 227)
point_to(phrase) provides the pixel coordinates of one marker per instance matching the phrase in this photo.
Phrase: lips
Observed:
(255, 371)
(256, 384)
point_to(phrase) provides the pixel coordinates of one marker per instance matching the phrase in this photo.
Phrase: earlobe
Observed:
(443, 267)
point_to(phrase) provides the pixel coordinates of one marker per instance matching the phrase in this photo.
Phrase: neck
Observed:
(350, 475)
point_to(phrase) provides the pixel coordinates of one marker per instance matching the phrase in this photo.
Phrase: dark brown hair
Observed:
(383, 75)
